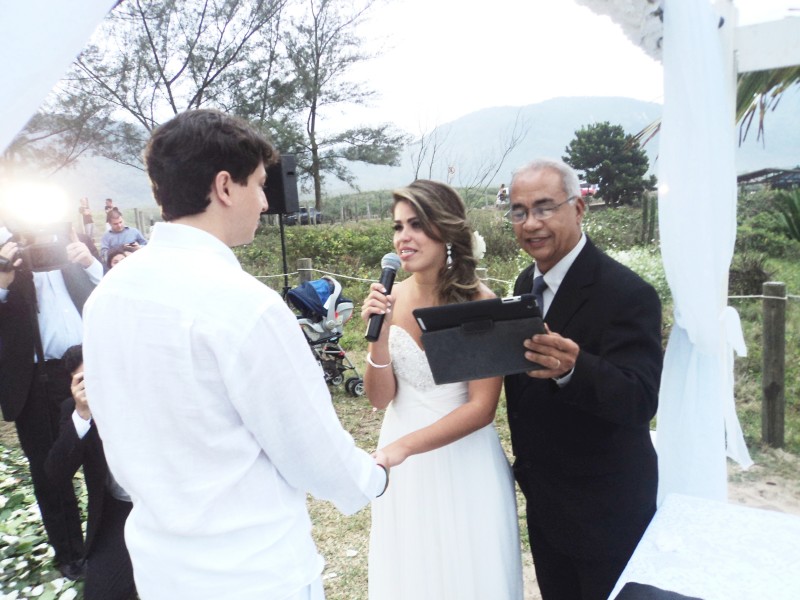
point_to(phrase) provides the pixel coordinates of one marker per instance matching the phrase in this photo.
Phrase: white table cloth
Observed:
(718, 551)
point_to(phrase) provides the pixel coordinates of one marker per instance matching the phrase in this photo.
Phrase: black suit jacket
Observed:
(67, 455)
(18, 331)
(585, 461)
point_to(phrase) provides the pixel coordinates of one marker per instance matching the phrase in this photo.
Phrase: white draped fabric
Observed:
(697, 420)
(38, 41)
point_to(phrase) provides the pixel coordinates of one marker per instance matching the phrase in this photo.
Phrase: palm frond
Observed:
(789, 207)
(757, 92)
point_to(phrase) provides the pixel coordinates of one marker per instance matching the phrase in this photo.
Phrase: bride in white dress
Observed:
(446, 527)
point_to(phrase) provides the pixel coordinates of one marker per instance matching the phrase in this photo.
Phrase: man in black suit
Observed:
(109, 574)
(580, 425)
(40, 316)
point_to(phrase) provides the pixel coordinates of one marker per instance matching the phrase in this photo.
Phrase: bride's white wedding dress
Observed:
(446, 528)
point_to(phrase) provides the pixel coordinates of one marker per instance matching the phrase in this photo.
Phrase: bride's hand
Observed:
(381, 458)
(376, 302)
(395, 453)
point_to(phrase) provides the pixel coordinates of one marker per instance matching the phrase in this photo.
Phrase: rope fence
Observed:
(773, 296)
(304, 274)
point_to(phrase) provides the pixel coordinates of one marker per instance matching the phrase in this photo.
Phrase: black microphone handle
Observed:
(376, 321)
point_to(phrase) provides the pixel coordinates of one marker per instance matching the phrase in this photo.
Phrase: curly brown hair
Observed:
(443, 217)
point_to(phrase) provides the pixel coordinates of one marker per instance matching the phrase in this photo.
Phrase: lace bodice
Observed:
(408, 359)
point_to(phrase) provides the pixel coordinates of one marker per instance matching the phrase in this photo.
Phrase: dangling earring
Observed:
(449, 255)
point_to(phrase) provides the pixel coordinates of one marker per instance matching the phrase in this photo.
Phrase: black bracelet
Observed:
(386, 471)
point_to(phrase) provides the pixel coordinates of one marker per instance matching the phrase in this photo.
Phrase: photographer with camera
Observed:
(45, 278)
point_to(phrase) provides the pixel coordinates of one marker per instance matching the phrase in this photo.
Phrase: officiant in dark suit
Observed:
(40, 317)
(580, 433)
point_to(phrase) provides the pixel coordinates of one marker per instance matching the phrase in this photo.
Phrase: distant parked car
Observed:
(588, 189)
(306, 216)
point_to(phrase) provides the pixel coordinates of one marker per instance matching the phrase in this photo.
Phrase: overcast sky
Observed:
(444, 59)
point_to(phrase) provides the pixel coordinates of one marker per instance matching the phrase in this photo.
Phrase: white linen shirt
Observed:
(217, 420)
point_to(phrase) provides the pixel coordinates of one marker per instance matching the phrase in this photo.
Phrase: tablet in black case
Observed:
(483, 338)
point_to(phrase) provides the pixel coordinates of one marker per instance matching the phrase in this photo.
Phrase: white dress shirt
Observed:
(557, 272)
(217, 421)
(59, 320)
(553, 279)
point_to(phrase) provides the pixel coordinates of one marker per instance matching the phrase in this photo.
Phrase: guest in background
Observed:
(109, 574)
(580, 427)
(86, 217)
(502, 196)
(108, 207)
(117, 254)
(120, 235)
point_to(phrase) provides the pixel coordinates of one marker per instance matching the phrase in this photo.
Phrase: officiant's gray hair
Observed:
(569, 178)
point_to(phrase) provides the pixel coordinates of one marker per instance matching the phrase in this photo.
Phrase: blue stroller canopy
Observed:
(310, 298)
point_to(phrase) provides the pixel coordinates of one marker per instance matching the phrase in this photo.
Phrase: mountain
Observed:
(552, 125)
(476, 139)
(480, 137)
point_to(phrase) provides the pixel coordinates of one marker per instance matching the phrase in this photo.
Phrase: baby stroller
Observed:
(323, 313)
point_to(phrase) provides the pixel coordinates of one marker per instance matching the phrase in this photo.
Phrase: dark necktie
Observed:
(539, 286)
(78, 285)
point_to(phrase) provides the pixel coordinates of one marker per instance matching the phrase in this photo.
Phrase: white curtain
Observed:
(697, 420)
(38, 41)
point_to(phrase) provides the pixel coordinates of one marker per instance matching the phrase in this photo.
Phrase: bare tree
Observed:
(428, 149)
(153, 59)
(321, 46)
(475, 178)
(56, 139)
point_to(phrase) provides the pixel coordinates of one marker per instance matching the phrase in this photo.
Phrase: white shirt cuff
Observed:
(95, 271)
(564, 379)
(81, 426)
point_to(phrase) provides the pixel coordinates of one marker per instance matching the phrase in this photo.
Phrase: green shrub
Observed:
(747, 274)
(762, 228)
(646, 262)
(789, 207)
(497, 232)
(613, 228)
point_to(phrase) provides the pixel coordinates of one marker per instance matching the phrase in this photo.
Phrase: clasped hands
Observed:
(555, 353)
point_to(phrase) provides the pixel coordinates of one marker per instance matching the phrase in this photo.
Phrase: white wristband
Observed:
(376, 365)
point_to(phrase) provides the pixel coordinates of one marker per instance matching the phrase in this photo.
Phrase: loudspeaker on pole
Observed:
(281, 186)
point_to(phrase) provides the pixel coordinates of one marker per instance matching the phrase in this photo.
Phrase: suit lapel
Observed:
(575, 290)
(524, 283)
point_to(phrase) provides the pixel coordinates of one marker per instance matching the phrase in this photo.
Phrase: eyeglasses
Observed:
(541, 212)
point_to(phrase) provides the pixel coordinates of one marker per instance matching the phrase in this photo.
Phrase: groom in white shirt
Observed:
(219, 421)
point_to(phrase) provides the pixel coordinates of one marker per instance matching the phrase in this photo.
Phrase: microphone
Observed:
(389, 263)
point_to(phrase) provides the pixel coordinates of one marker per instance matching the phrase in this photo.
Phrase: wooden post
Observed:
(303, 270)
(773, 383)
